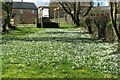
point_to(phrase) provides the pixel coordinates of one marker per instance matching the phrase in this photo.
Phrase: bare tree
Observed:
(7, 8)
(113, 6)
(75, 9)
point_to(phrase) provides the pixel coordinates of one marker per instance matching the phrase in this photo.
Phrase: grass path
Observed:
(49, 53)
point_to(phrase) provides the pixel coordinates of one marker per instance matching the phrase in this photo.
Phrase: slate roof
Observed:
(23, 5)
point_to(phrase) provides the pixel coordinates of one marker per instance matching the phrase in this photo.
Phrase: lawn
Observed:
(60, 53)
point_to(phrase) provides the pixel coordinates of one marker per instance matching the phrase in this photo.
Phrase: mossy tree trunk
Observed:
(113, 6)
(88, 22)
(7, 8)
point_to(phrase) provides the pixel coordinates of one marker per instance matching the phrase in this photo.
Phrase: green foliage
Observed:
(6, 7)
(99, 10)
(110, 23)
(60, 53)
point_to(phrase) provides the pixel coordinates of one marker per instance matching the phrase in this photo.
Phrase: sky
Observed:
(37, 2)
(101, 2)
(46, 2)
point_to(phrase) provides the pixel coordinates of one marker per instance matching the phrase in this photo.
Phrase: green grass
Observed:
(65, 25)
(26, 25)
(60, 53)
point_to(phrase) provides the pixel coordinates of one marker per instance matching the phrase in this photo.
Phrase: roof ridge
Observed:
(25, 5)
(23, 2)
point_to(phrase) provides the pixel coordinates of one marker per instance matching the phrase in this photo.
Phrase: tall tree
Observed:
(75, 9)
(7, 9)
(113, 6)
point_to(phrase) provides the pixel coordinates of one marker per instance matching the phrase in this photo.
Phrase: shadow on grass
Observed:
(74, 40)
(64, 27)
(59, 39)
(21, 32)
(66, 32)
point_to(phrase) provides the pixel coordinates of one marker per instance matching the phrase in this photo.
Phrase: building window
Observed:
(33, 11)
(21, 11)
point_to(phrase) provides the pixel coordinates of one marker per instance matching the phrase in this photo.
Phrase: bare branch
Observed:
(89, 8)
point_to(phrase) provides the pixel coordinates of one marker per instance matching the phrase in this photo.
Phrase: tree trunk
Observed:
(77, 22)
(90, 29)
(99, 32)
(103, 30)
(99, 28)
(118, 46)
(4, 27)
(88, 23)
(114, 17)
(6, 22)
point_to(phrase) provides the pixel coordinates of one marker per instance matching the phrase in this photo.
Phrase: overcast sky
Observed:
(37, 2)
(46, 2)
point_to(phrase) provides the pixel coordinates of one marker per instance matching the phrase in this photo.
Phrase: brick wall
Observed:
(27, 17)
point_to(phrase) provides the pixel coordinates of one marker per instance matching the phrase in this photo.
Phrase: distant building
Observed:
(25, 12)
